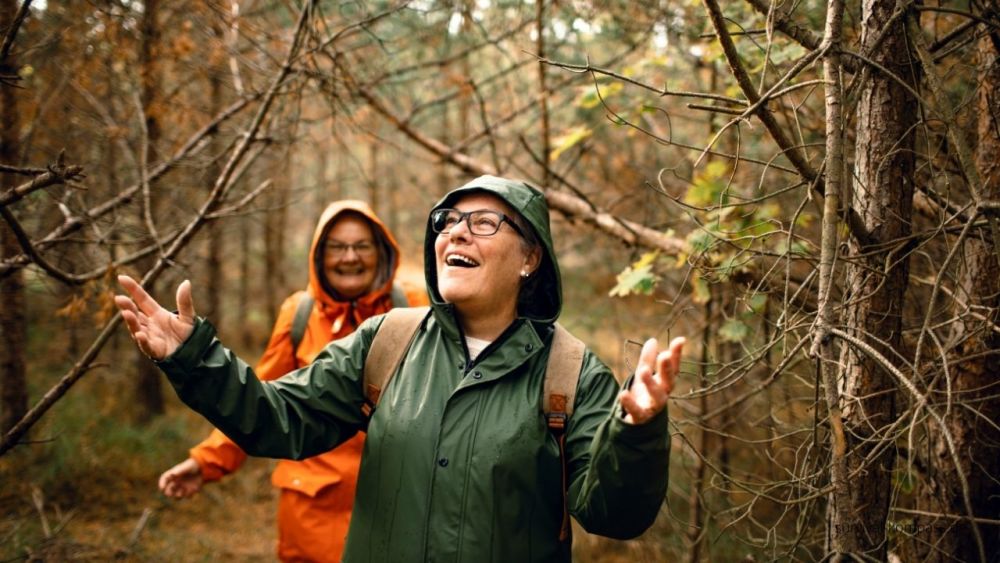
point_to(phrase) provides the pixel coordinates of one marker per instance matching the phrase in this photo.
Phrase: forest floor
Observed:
(118, 514)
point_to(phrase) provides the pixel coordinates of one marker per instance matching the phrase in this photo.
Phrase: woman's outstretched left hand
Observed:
(653, 381)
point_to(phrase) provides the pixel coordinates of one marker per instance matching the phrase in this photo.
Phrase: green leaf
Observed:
(638, 278)
(757, 302)
(699, 241)
(734, 330)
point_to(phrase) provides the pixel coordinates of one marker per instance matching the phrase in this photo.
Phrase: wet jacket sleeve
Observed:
(304, 413)
(217, 455)
(617, 471)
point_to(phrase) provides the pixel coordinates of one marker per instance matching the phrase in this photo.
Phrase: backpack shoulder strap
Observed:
(399, 296)
(388, 347)
(558, 394)
(561, 375)
(301, 319)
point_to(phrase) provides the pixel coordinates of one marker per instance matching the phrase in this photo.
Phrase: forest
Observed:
(808, 190)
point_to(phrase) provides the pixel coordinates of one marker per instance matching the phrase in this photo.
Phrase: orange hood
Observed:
(388, 263)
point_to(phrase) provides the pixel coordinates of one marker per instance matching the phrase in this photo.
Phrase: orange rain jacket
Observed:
(304, 481)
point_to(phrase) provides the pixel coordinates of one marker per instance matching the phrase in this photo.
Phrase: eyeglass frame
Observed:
(467, 216)
(340, 249)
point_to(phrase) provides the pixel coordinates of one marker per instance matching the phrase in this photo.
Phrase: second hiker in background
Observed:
(353, 261)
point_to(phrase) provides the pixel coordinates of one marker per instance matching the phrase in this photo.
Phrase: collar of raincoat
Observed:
(338, 311)
(545, 303)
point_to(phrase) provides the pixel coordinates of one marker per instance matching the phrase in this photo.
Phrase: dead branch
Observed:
(193, 145)
(54, 175)
(29, 250)
(571, 206)
(8, 39)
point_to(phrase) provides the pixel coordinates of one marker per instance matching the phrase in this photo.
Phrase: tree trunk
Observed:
(975, 373)
(243, 285)
(13, 331)
(148, 390)
(373, 177)
(696, 532)
(882, 196)
(215, 250)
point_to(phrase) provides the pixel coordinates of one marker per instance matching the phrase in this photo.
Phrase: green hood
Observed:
(541, 297)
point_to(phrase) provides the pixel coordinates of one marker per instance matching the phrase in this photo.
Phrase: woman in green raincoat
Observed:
(459, 464)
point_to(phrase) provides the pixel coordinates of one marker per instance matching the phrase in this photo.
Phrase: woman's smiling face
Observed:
(482, 273)
(350, 257)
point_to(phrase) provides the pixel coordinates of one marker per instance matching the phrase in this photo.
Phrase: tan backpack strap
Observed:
(558, 394)
(386, 352)
(561, 376)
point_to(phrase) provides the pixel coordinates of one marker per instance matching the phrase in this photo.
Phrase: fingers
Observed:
(631, 406)
(142, 300)
(182, 480)
(185, 302)
(676, 349)
(653, 381)
(129, 313)
(668, 363)
(647, 356)
(165, 479)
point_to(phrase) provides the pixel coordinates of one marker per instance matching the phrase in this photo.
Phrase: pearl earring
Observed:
(524, 274)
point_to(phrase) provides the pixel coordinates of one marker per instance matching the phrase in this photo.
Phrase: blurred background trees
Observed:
(807, 190)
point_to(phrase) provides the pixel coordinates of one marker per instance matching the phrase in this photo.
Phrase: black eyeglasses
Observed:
(363, 249)
(481, 222)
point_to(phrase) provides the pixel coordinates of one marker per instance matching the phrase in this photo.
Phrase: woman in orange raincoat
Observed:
(352, 266)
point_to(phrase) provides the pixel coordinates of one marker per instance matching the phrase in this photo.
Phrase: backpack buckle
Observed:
(556, 420)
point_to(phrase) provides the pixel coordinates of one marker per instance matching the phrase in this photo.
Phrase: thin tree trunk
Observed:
(838, 536)
(215, 284)
(13, 329)
(542, 90)
(696, 527)
(373, 175)
(243, 285)
(148, 386)
(883, 197)
(271, 250)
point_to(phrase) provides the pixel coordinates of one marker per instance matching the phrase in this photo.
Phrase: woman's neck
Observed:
(487, 325)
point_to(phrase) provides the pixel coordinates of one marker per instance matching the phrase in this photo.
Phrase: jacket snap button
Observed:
(443, 462)
(527, 347)
(461, 365)
(478, 375)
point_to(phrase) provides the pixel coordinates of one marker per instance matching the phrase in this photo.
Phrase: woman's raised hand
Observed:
(653, 381)
(156, 331)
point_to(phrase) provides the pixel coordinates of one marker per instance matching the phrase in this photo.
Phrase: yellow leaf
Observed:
(567, 140)
(646, 259)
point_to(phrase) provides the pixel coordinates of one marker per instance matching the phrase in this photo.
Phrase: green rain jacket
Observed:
(459, 464)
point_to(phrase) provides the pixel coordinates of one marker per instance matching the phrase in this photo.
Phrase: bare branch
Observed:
(8, 39)
(192, 146)
(55, 174)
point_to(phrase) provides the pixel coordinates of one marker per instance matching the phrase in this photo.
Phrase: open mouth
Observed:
(350, 271)
(460, 261)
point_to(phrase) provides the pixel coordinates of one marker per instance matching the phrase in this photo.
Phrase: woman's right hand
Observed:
(182, 480)
(156, 331)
